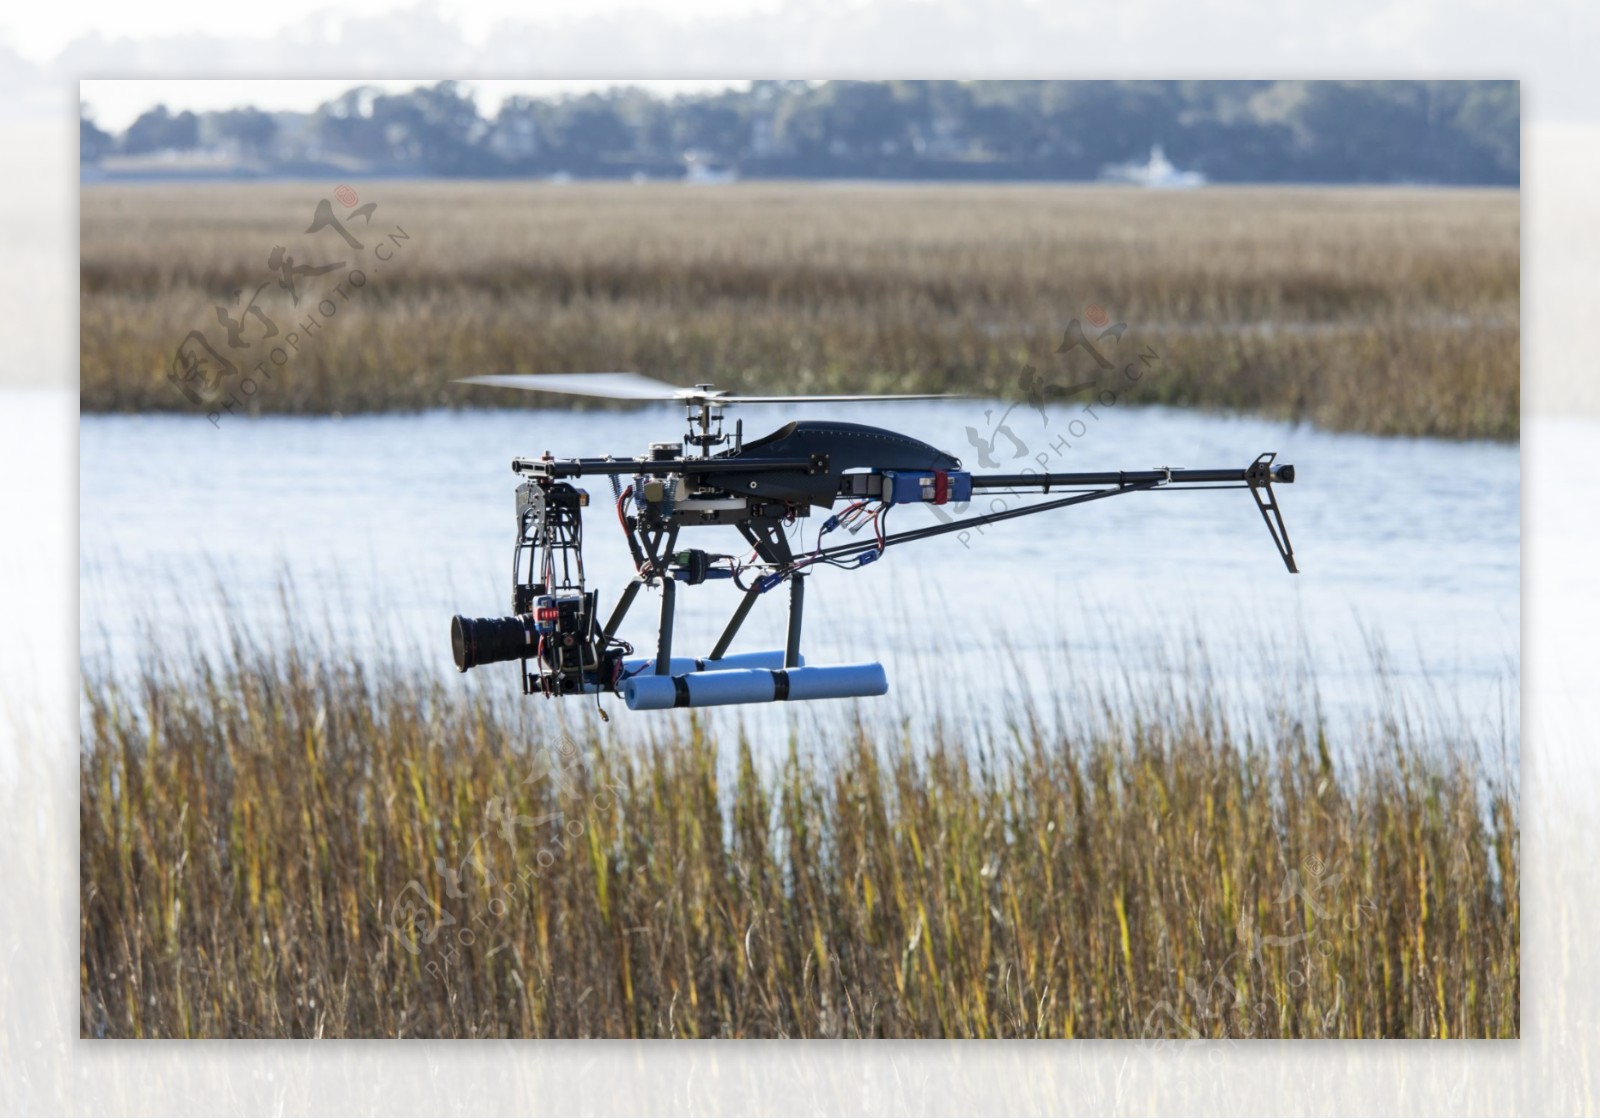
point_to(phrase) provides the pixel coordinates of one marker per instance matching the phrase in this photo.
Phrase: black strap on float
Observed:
(780, 687)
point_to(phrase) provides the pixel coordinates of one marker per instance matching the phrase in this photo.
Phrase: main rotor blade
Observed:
(617, 386)
(736, 399)
(636, 386)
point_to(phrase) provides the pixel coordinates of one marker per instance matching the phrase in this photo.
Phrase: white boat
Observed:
(1157, 173)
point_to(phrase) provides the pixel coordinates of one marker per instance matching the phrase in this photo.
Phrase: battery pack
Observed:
(906, 487)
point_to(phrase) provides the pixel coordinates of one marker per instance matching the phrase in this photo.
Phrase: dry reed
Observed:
(1389, 311)
(289, 840)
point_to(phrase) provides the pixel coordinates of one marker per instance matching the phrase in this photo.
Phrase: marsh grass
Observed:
(286, 839)
(1388, 311)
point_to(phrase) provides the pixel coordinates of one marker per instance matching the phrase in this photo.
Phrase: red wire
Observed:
(622, 499)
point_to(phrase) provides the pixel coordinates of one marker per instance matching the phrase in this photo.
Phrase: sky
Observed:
(39, 32)
(572, 47)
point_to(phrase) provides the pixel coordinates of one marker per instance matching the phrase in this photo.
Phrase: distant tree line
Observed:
(1248, 131)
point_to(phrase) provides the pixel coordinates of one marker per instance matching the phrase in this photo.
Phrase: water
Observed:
(1409, 545)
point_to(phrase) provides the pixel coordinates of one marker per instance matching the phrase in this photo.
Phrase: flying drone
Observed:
(762, 488)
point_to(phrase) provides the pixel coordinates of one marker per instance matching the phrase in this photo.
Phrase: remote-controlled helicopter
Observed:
(761, 487)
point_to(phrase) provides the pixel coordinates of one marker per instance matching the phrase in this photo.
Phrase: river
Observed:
(392, 523)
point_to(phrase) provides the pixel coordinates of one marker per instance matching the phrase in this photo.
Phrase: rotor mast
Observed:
(703, 405)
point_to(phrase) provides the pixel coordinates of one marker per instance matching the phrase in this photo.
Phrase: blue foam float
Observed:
(769, 658)
(725, 686)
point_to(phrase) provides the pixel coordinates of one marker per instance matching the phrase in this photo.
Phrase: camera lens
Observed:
(476, 641)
